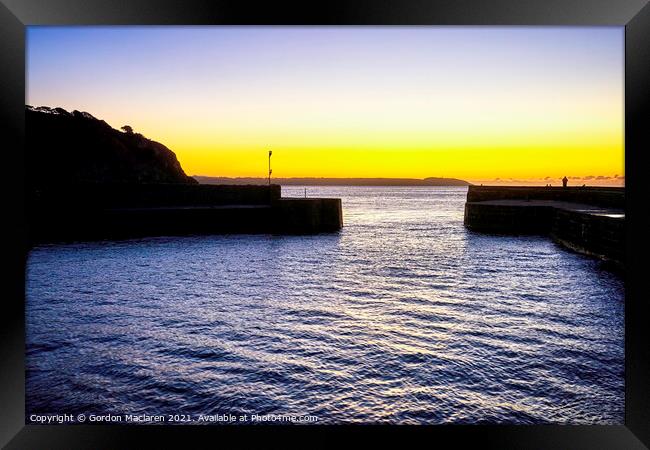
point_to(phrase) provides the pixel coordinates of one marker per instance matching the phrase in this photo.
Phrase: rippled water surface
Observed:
(403, 317)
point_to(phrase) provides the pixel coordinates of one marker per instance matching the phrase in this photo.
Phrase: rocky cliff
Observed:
(75, 148)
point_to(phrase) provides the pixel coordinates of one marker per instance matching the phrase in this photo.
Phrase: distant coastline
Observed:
(313, 181)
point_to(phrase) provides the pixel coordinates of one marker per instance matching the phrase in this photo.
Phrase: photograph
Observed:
(325, 225)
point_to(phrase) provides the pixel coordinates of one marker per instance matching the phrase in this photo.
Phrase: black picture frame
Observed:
(15, 15)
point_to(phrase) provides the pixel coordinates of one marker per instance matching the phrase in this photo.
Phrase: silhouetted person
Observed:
(565, 180)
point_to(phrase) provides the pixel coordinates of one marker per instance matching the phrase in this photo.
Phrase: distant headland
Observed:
(311, 181)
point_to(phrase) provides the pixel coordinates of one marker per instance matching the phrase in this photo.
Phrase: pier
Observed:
(88, 212)
(588, 220)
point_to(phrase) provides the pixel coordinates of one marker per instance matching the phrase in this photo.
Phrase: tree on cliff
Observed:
(74, 147)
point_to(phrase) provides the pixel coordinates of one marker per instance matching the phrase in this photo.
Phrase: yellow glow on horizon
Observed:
(554, 150)
(494, 136)
(470, 164)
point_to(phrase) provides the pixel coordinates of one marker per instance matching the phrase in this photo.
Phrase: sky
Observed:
(507, 105)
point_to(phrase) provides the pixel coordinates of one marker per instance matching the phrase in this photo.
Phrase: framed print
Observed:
(271, 220)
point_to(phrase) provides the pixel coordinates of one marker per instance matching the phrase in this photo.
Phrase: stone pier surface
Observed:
(91, 212)
(587, 220)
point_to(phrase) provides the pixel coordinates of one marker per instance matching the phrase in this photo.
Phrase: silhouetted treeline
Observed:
(75, 148)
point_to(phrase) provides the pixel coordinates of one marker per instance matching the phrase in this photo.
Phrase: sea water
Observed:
(404, 316)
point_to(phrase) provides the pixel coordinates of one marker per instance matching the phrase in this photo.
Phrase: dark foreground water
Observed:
(402, 317)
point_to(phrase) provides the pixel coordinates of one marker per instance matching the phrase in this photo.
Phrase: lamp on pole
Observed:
(270, 153)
